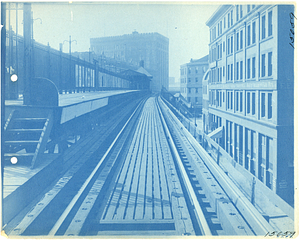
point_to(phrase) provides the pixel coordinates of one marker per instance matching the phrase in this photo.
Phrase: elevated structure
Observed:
(33, 131)
(150, 49)
(251, 79)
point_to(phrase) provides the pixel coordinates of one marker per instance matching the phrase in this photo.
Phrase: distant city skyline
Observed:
(182, 23)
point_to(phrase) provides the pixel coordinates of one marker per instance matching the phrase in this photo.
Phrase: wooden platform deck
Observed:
(15, 176)
(74, 105)
(75, 98)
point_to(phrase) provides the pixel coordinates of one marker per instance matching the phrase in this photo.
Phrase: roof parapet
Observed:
(221, 9)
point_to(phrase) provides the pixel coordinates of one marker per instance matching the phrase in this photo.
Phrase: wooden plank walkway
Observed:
(16, 175)
(147, 189)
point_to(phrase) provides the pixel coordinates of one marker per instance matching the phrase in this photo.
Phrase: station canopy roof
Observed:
(140, 74)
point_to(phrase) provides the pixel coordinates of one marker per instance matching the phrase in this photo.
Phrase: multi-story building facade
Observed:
(151, 48)
(191, 75)
(251, 77)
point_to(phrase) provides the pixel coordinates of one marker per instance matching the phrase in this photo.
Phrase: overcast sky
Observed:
(183, 24)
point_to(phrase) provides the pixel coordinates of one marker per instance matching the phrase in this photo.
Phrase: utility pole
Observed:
(70, 66)
(27, 53)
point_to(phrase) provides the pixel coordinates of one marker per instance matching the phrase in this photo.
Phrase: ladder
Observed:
(26, 134)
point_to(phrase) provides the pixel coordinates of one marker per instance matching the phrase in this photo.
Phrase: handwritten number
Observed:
(292, 15)
(280, 234)
(292, 32)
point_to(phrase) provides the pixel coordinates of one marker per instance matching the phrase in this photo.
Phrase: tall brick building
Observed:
(152, 49)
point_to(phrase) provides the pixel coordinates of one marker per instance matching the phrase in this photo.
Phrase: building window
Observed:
(231, 100)
(241, 101)
(241, 70)
(270, 23)
(189, 90)
(253, 103)
(189, 79)
(263, 65)
(270, 64)
(196, 69)
(253, 67)
(228, 21)
(196, 99)
(237, 12)
(189, 70)
(248, 68)
(248, 102)
(224, 22)
(189, 99)
(263, 105)
(237, 101)
(248, 8)
(196, 90)
(220, 74)
(228, 67)
(231, 72)
(237, 71)
(248, 35)
(241, 45)
(228, 95)
(253, 32)
(228, 45)
(223, 71)
(231, 47)
(241, 11)
(269, 105)
(231, 17)
(221, 27)
(196, 79)
(237, 40)
(217, 98)
(263, 27)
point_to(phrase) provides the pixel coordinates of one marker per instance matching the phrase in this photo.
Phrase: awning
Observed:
(217, 133)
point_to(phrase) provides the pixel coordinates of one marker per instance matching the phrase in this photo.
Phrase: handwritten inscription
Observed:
(286, 234)
(292, 31)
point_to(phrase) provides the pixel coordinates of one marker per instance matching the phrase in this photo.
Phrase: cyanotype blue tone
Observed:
(148, 120)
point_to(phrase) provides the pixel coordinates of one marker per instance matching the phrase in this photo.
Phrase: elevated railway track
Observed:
(139, 173)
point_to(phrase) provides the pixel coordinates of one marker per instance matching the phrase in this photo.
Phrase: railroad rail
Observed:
(144, 178)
